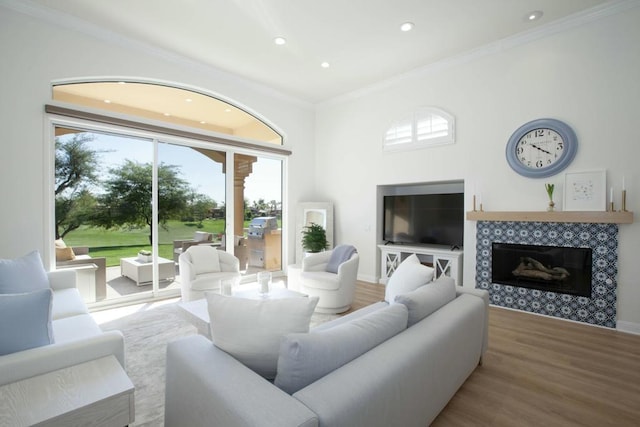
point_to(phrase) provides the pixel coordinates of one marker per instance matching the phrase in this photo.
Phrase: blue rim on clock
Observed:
(541, 148)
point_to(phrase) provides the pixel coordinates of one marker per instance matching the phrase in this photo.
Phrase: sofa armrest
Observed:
(484, 295)
(81, 250)
(222, 391)
(62, 279)
(228, 262)
(349, 269)
(40, 360)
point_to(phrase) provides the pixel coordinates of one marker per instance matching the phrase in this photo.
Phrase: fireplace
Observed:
(593, 305)
(547, 268)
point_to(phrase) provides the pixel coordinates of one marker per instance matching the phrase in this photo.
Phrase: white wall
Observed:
(34, 53)
(585, 75)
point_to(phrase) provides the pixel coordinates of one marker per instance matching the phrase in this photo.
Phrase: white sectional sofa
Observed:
(404, 380)
(77, 337)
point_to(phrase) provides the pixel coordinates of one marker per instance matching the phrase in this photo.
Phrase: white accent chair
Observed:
(335, 291)
(202, 268)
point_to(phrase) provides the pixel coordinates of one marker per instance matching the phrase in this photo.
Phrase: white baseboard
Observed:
(628, 327)
(367, 278)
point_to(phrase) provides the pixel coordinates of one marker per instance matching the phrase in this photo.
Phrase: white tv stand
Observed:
(444, 260)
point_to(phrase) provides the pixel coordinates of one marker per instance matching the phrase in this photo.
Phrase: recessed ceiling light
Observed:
(167, 114)
(122, 83)
(227, 110)
(188, 100)
(407, 26)
(535, 15)
(203, 122)
(107, 101)
(325, 65)
(279, 41)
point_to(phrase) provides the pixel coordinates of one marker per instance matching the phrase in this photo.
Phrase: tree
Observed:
(127, 198)
(77, 168)
(73, 211)
(200, 206)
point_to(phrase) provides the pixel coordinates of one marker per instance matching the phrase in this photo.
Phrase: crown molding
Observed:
(561, 25)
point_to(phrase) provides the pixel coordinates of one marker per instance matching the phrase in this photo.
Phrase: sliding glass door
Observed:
(127, 206)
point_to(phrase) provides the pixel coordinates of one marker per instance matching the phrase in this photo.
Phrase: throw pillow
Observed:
(25, 321)
(59, 243)
(65, 254)
(427, 299)
(339, 254)
(305, 358)
(204, 259)
(251, 330)
(24, 274)
(409, 275)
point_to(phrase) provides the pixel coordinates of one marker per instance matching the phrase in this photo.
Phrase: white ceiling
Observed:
(359, 38)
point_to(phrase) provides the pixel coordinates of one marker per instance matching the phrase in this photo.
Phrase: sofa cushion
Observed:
(24, 274)
(428, 298)
(205, 259)
(25, 320)
(251, 330)
(351, 316)
(65, 254)
(305, 358)
(75, 328)
(409, 275)
(68, 302)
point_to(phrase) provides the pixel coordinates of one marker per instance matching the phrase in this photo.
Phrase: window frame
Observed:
(406, 135)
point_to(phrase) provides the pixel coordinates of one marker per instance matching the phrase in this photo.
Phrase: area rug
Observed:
(146, 335)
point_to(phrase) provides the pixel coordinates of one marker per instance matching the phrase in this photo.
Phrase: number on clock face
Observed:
(539, 148)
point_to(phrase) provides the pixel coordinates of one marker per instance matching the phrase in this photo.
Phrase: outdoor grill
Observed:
(258, 227)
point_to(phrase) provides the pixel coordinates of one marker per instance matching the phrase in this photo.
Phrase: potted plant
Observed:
(144, 256)
(549, 188)
(314, 238)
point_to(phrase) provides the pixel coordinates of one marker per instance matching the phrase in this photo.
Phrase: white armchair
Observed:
(335, 291)
(202, 268)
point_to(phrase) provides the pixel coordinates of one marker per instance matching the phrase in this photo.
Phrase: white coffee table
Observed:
(142, 272)
(197, 312)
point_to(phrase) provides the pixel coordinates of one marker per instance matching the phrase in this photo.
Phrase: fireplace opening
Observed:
(547, 268)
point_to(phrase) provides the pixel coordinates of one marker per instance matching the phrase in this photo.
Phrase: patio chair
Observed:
(68, 257)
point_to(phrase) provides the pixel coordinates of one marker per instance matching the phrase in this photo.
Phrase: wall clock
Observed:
(541, 148)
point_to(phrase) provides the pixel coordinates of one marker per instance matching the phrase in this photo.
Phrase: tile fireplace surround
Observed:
(599, 309)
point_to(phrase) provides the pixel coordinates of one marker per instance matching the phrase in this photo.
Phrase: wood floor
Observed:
(541, 371)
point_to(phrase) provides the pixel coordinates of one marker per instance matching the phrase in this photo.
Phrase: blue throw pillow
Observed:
(25, 274)
(306, 357)
(340, 254)
(25, 321)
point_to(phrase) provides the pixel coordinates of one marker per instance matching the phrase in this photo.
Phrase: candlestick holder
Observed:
(624, 201)
(474, 202)
(611, 207)
(481, 210)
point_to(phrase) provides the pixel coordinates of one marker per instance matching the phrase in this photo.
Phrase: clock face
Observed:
(541, 148)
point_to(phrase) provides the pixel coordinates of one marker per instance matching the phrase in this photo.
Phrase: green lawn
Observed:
(122, 243)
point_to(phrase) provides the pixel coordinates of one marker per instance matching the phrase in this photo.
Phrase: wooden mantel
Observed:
(543, 216)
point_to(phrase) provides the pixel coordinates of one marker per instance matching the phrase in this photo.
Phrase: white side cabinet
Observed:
(445, 261)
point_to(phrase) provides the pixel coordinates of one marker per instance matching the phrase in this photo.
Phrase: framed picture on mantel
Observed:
(585, 191)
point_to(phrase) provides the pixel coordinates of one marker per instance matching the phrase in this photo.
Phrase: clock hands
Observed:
(544, 151)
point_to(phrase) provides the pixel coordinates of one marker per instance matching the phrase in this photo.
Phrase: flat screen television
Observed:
(424, 219)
